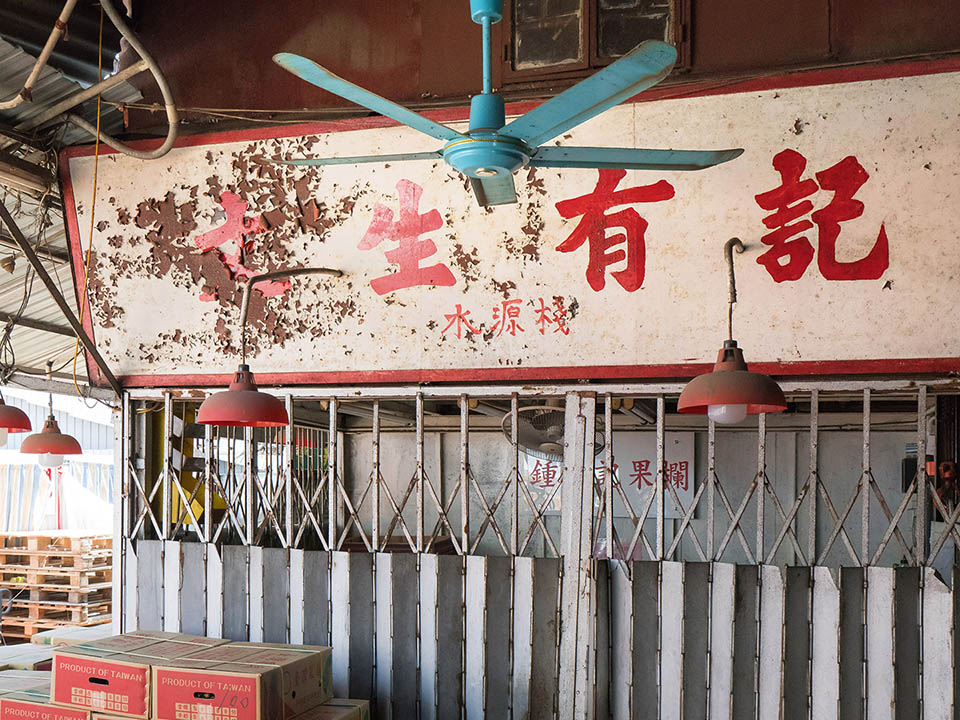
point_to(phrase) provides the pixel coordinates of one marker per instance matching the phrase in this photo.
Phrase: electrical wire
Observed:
(93, 207)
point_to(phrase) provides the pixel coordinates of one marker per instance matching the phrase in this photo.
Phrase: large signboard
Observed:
(845, 197)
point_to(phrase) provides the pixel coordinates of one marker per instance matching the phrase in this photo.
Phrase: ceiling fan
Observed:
(540, 431)
(491, 151)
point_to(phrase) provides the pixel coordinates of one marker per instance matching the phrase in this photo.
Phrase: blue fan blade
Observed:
(630, 158)
(494, 190)
(356, 160)
(641, 68)
(308, 70)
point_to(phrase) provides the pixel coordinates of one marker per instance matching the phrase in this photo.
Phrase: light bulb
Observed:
(726, 414)
(49, 460)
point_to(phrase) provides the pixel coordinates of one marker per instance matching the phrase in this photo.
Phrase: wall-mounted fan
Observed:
(540, 431)
(492, 151)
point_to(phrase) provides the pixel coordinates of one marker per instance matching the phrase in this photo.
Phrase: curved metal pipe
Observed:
(45, 53)
(728, 248)
(245, 305)
(173, 117)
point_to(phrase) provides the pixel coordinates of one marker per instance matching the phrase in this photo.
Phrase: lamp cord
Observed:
(728, 248)
(245, 305)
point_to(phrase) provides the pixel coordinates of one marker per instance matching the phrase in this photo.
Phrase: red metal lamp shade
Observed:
(243, 405)
(731, 383)
(51, 441)
(14, 419)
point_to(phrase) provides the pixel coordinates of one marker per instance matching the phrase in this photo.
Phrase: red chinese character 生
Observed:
(790, 250)
(595, 220)
(641, 473)
(505, 317)
(459, 317)
(410, 251)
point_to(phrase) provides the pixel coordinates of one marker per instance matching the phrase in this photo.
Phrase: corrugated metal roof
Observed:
(52, 87)
(32, 348)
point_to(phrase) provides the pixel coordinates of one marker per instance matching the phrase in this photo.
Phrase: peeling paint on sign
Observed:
(608, 268)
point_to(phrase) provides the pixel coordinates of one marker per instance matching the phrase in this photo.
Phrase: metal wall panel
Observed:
(447, 636)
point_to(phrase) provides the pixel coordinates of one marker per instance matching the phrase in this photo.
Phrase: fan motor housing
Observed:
(485, 155)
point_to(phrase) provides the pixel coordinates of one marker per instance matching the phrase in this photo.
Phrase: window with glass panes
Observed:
(550, 37)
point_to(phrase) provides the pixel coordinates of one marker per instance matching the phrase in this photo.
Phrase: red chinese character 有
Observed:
(790, 250)
(410, 251)
(627, 248)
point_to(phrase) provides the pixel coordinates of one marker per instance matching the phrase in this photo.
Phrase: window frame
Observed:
(591, 60)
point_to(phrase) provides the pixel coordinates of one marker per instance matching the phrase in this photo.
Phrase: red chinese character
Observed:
(459, 316)
(560, 316)
(236, 228)
(602, 473)
(844, 178)
(677, 473)
(595, 221)
(410, 251)
(544, 474)
(555, 316)
(505, 317)
(544, 317)
(641, 472)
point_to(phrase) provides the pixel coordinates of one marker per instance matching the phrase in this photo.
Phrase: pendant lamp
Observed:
(730, 391)
(13, 419)
(242, 404)
(50, 444)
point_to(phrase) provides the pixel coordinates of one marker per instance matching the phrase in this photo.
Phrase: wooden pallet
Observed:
(58, 579)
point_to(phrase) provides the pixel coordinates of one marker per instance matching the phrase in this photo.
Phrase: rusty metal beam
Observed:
(31, 379)
(52, 254)
(43, 325)
(57, 296)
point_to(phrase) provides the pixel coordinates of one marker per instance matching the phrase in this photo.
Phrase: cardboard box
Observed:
(113, 675)
(35, 704)
(338, 709)
(26, 657)
(19, 680)
(244, 681)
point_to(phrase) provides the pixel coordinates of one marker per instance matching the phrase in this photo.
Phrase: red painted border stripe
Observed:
(919, 366)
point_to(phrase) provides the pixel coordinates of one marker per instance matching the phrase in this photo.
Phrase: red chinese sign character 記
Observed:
(595, 220)
(410, 250)
(790, 250)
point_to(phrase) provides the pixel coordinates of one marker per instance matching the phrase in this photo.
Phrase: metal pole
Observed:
(288, 482)
(332, 476)
(660, 475)
(375, 502)
(248, 451)
(515, 509)
(420, 472)
(865, 483)
(761, 481)
(208, 482)
(608, 473)
(920, 530)
(814, 476)
(167, 458)
(58, 298)
(464, 470)
(711, 485)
